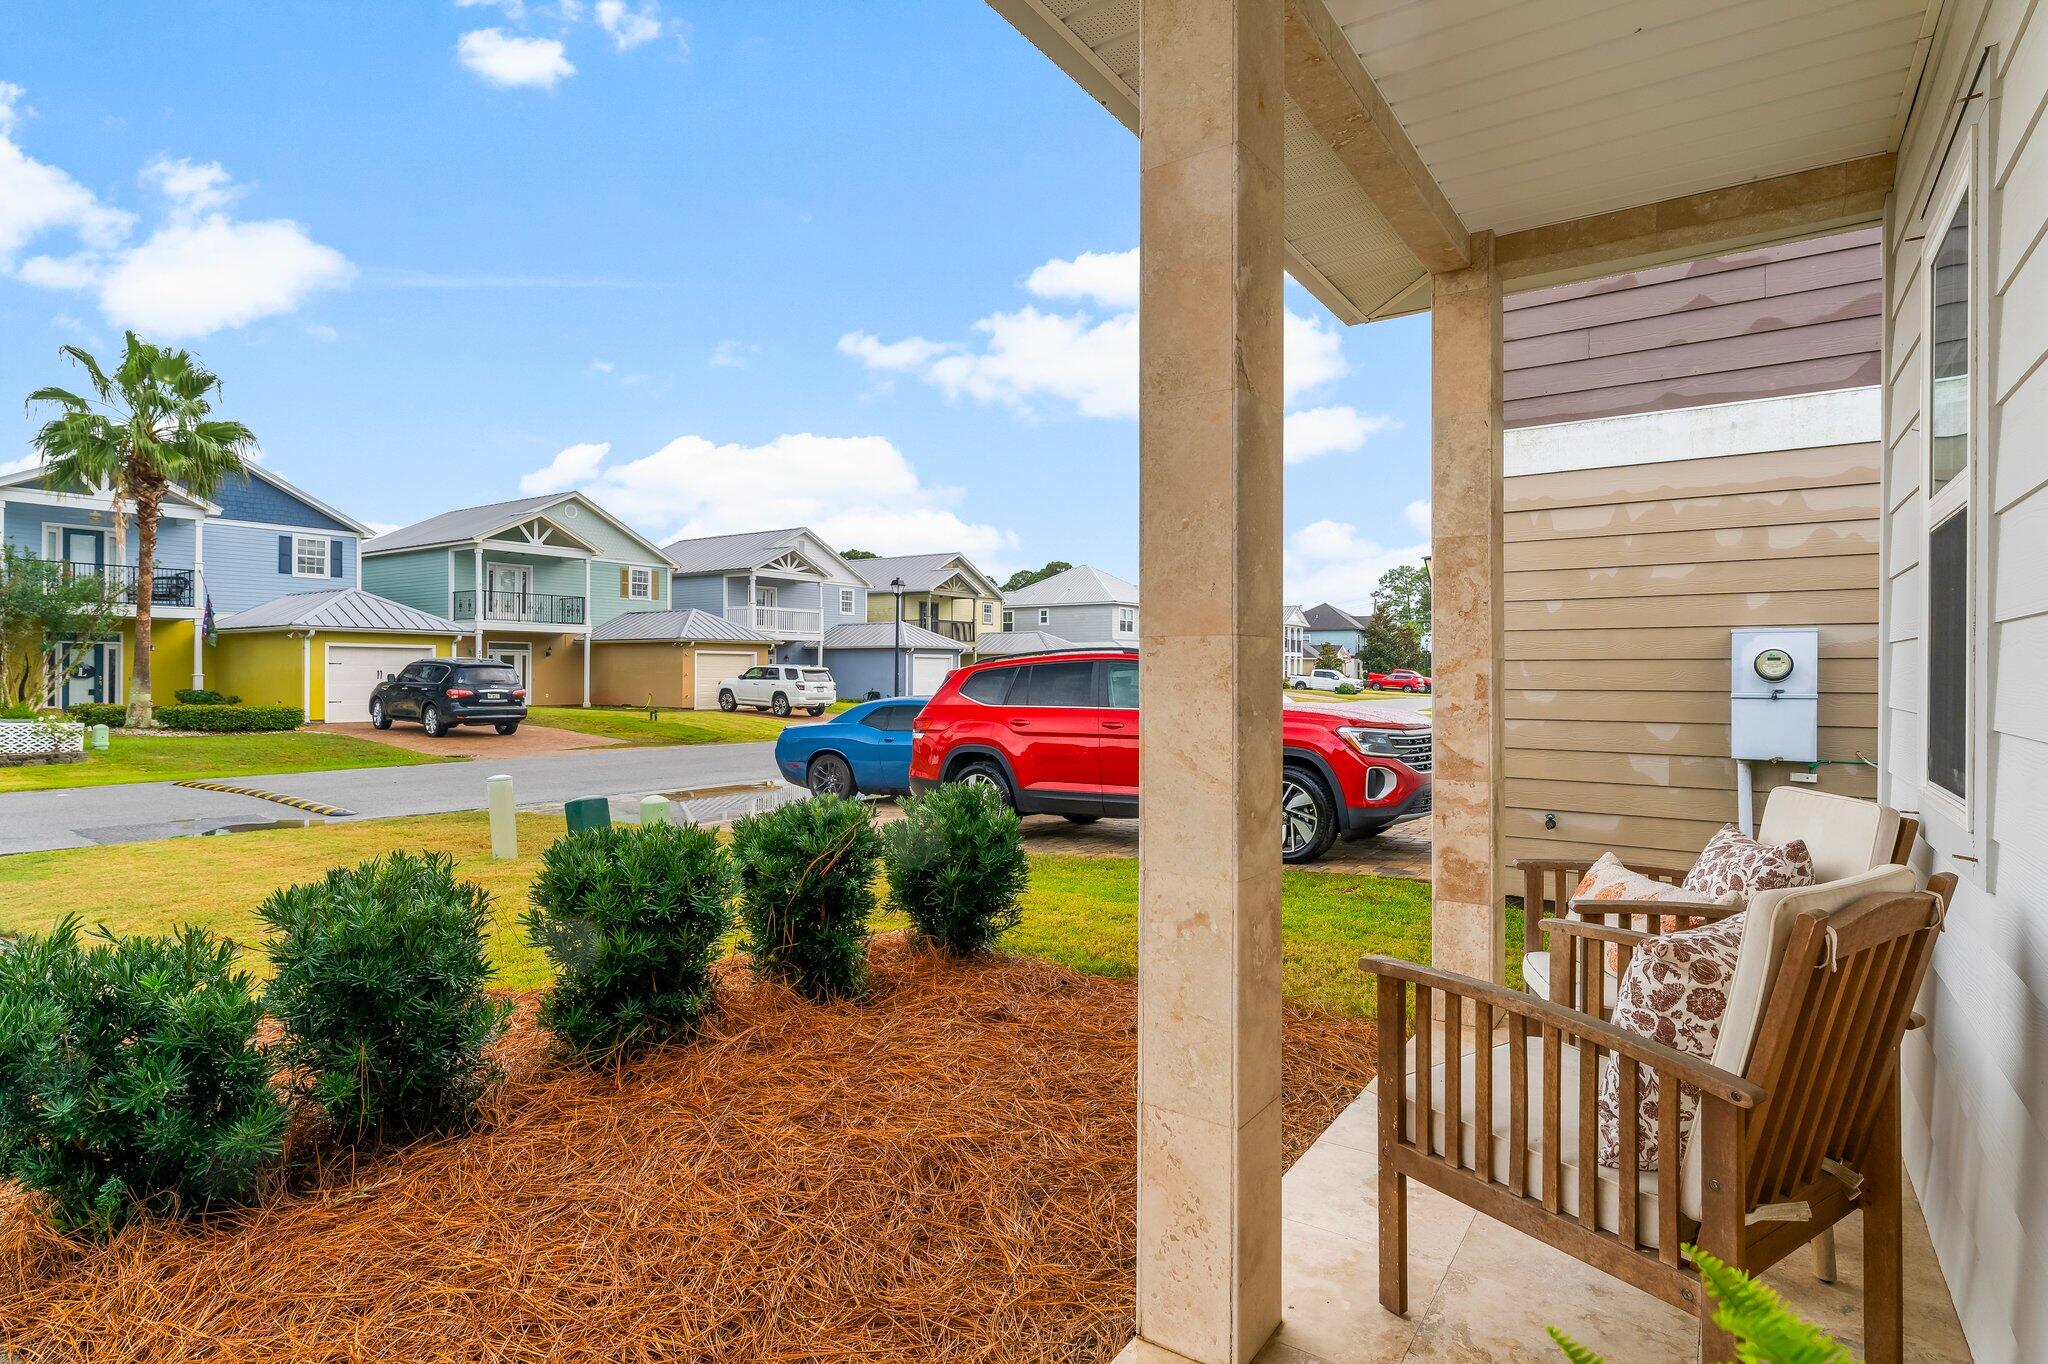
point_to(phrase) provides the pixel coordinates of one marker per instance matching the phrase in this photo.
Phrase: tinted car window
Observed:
(990, 687)
(487, 677)
(1059, 684)
(1123, 684)
(414, 672)
(890, 719)
(433, 674)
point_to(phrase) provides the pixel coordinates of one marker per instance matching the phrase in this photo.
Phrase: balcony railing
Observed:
(961, 630)
(521, 608)
(792, 621)
(168, 586)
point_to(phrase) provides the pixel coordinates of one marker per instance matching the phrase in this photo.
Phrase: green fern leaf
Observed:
(1573, 1351)
(1766, 1331)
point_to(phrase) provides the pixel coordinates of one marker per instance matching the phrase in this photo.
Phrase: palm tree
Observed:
(144, 429)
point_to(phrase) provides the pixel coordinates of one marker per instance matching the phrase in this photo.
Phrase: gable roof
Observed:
(1324, 616)
(338, 608)
(689, 623)
(881, 634)
(750, 549)
(1011, 643)
(1078, 586)
(922, 572)
(468, 524)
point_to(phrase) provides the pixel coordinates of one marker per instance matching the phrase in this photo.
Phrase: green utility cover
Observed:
(591, 812)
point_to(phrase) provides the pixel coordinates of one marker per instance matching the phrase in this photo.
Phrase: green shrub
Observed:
(96, 713)
(198, 696)
(23, 711)
(631, 917)
(1347, 689)
(130, 1077)
(956, 867)
(231, 719)
(379, 983)
(807, 874)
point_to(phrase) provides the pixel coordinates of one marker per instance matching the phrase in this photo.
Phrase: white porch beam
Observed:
(1467, 934)
(1209, 535)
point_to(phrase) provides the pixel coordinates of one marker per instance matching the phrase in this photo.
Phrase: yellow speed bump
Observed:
(311, 807)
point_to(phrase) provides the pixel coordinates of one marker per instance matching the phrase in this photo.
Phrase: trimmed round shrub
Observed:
(632, 918)
(130, 1076)
(1348, 689)
(956, 867)
(200, 696)
(379, 983)
(99, 713)
(235, 719)
(807, 887)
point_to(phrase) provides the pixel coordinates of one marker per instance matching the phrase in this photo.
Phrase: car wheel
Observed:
(779, 706)
(984, 773)
(1082, 819)
(1308, 817)
(830, 776)
(816, 711)
(430, 721)
(378, 719)
(727, 701)
(508, 726)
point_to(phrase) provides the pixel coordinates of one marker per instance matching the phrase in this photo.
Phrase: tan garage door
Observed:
(353, 669)
(713, 667)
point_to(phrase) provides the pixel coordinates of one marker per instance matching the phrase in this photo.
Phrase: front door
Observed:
(91, 673)
(517, 657)
(511, 592)
(83, 549)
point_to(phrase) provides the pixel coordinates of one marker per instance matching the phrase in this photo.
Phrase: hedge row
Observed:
(196, 696)
(231, 719)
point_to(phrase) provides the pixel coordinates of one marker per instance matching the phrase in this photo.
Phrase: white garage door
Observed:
(928, 672)
(353, 669)
(713, 667)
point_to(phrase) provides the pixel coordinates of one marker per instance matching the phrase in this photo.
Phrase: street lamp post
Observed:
(896, 585)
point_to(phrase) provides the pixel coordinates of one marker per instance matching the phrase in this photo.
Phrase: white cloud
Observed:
(1330, 430)
(854, 490)
(514, 10)
(733, 354)
(15, 466)
(36, 197)
(571, 468)
(1027, 357)
(320, 331)
(629, 27)
(602, 366)
(192, 189)
(1330, 561)
(1418, 516)
(381, 527)
(507, 59)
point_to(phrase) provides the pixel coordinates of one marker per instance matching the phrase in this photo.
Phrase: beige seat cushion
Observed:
(1846, 836)
(1608, 1213)
(1536, 979)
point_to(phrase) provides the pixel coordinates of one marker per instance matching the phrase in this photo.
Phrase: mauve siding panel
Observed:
(1796, 318)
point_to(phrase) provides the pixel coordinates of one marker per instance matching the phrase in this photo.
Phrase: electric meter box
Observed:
(1774, 695)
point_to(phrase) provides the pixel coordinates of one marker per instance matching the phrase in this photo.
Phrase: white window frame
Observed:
(1963, 494)
(846, 601)
(639, 584)
(1044, 616)
(299, 543)
(1127, 620)
(1009, 620)
(988, 613)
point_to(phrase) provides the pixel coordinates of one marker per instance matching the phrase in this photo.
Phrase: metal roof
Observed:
(339, 608)
(476, 523)
(920, 572)
(881, 634)
(752, 548)
(1010, 643)
(689, 624)
(1078, 586)
(1327, 617)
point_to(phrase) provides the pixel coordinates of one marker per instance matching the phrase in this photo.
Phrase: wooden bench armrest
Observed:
(1666, 909)
(1711, 1079)
(1580, 928)
(1579, 864)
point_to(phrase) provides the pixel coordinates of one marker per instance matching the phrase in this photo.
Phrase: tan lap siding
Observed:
(1622, 586)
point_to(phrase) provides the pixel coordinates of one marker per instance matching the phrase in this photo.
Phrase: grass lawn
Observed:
(669, 726)
(147, 757)
(1080, 911)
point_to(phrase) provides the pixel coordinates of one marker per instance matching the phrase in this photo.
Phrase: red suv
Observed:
(1058, 734)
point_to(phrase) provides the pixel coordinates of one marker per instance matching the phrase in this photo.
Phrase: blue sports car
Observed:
(863, 750)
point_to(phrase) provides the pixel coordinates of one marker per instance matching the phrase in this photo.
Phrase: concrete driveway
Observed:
(483, 744)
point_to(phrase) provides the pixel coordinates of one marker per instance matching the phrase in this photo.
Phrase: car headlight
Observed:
(1376, 743)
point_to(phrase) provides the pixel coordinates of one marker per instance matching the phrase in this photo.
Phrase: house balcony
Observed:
(784, 622)
(961, 631)
(168, 586)
(522, 608)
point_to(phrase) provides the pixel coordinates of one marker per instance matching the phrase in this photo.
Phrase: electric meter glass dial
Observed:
(1774, 665)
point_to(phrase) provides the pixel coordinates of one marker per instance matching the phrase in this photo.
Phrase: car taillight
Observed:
(519, 693)
(459, 693)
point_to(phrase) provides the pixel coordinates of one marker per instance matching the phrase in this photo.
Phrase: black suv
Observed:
(442, 693)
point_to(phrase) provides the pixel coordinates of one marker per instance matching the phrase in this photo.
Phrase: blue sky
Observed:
(861, 266)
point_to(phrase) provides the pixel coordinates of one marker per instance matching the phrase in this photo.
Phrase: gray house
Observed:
(1091, 608)
(789, 584)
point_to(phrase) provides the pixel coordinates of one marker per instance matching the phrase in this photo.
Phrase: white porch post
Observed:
(588, 626)
(1209, 552)
(1467, 932)
(199, 604)
(482, 600)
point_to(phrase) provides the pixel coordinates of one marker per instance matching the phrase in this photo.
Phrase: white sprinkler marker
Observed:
(504, 824)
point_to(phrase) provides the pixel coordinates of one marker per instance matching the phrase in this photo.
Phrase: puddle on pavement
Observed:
(252, 825)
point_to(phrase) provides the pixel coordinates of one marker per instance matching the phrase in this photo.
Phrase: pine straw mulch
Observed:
(946, 1172)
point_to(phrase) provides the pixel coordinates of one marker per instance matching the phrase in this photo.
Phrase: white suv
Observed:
(780, 688)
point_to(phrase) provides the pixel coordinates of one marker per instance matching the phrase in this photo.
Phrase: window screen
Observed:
(1948, 654)
(1950, 418)
(1060, 684)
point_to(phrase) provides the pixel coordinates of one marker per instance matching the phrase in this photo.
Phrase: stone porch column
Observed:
(1209, 553)
(1467, 934)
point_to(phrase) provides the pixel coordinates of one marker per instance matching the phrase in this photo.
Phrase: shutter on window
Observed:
(284, 554)
(625, 582)
(334, 558)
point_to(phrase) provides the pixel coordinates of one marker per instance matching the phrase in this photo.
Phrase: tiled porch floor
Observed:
(1479, 1290)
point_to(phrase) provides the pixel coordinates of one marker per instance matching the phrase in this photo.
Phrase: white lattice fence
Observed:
(34, 739)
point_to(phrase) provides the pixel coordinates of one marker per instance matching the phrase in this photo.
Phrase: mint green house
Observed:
(529, 580)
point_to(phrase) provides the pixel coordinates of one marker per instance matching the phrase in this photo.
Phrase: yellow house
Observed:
(324, 651)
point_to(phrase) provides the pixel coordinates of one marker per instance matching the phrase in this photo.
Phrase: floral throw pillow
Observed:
(1734, 863)
(1675, 992)
(1608, 879)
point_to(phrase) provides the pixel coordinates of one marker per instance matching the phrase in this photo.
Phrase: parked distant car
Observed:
(442, 693)
(863, 751)
(1058, 734)
(1321, 679)
(1400, 679)
(779, 688)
